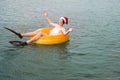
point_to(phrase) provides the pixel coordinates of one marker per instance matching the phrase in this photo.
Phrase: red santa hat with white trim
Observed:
(65, 19)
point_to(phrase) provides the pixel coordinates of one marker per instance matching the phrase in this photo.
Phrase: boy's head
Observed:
(63, 20)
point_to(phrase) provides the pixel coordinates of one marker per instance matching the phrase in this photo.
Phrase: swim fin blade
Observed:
(18, 43)
(18, 34)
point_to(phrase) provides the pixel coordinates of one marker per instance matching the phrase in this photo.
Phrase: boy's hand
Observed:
(70, 29)
(45, 13)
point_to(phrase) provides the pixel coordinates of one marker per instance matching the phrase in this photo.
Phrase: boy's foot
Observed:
(18, 43)
(19, 35)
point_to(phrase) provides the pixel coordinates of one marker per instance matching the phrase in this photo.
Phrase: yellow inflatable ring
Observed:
(51, 40)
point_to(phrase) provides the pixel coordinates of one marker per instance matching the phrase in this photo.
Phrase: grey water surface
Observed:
(93, 52)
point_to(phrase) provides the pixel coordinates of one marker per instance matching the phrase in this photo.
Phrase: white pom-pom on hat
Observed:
(65, 19)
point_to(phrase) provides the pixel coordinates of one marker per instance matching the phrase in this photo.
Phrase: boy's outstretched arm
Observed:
(48, 19)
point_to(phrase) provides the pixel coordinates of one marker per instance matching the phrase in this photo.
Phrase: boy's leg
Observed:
(29, 34)
(21, 43)
(37, 36)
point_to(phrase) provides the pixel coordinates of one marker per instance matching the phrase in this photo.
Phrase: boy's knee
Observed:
(40, 33)
(37, 32)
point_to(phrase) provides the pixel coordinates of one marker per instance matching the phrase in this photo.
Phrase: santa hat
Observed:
(65, 19)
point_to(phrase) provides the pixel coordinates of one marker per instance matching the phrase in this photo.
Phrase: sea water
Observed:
(93, 52)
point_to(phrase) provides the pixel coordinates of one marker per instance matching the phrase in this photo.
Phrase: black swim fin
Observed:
(18, 34)
(18, 43)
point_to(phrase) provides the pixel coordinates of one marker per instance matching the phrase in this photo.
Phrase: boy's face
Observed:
(60, 22)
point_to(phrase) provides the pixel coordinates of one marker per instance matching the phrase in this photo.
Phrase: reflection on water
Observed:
(60, 50)
(93, 52)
